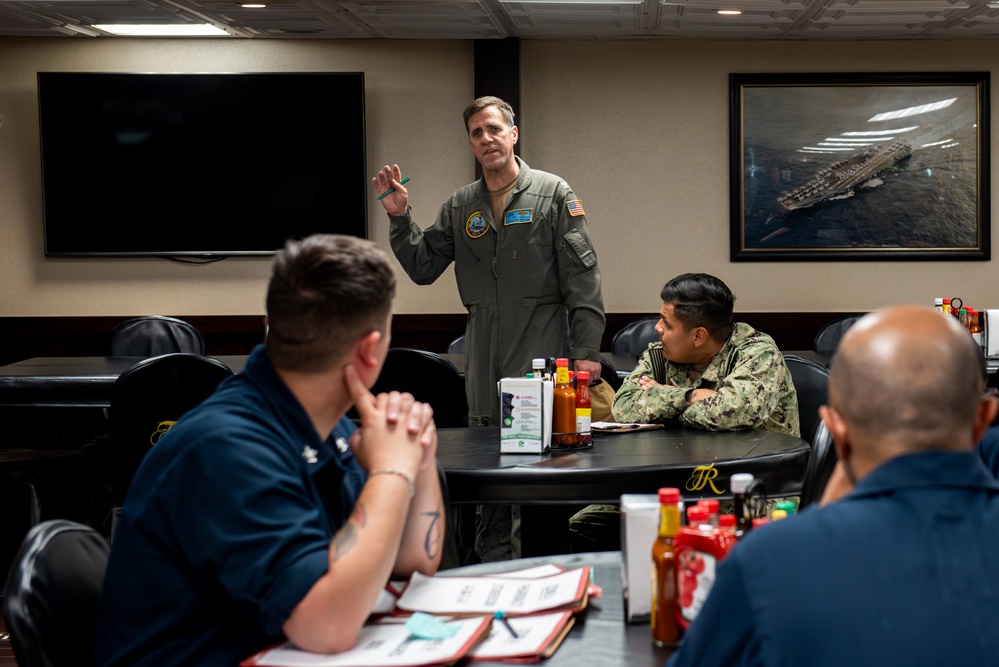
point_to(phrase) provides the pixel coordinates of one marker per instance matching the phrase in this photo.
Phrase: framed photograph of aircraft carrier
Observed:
(859, 166)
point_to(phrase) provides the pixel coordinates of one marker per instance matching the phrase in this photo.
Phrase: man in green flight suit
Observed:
(706, 372)
(524, 263)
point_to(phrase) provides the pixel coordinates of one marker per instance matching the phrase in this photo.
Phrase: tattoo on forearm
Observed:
(433, 538)
(343, 541)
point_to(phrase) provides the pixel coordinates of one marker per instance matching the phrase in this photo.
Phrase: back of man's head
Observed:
(701, 300)
(907, 379)
(325, 292)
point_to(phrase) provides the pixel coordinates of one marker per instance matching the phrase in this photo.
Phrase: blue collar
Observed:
(939, 469)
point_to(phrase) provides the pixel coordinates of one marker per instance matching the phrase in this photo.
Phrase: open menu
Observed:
(537, 638)
(622, 427)
(383, 645)
(488, 595)
(538, 606)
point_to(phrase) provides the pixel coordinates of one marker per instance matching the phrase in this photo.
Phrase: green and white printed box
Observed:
(525, 415)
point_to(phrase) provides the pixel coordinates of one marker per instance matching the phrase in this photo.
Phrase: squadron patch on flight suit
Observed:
(575, 207)
(476, 225)
(518, 217)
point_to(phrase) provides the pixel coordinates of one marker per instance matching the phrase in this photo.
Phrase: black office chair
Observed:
(430, 378)
(820, 466)
(457, 346)
(52, 592)
(811, 383)
(51, 477)
(828, 337)
(634, 337)
(151, 336)
(145, 400)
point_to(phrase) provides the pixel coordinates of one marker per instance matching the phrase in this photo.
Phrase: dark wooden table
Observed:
(71, 382)
(697, 462)
(556, 485)
(600, 636)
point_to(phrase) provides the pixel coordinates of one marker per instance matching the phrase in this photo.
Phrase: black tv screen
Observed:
(199, 164)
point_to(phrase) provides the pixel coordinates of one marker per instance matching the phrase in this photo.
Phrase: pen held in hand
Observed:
(391, 190)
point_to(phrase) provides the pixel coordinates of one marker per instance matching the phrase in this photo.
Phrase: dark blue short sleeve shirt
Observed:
(226, 527)
(902, 571)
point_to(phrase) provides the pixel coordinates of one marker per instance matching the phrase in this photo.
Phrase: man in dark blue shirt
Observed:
(264, 512)
(901, 570)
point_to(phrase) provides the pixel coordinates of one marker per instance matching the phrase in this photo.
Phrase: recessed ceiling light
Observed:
(153, 30)
(253, 5)
(729, 12)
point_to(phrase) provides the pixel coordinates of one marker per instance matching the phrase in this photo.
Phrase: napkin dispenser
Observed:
(639, 529)
(525, 415)
(991, 333)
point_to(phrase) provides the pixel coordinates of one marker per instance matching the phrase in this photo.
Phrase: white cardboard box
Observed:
(639, 529)
(525, 415)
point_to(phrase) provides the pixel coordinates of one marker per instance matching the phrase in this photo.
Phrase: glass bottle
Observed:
(697, 515)
(743, 519)
(712, 505)
(564, 406)
(665, 630)
(584, 410)
(975, 329)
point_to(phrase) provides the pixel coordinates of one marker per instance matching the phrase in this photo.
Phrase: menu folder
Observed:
(462, 596)
(383, 645)
(537, 638)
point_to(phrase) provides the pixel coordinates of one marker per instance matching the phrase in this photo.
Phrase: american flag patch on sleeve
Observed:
(575, 207)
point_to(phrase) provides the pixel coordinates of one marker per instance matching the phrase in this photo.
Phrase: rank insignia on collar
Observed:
(342, 444)
(309, 454)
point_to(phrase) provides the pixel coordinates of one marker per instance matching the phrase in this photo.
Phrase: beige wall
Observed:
(640, 131)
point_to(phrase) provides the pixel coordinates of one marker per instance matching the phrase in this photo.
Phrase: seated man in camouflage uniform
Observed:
(706, 372)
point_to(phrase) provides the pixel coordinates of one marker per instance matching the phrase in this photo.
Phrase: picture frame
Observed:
(866, 166)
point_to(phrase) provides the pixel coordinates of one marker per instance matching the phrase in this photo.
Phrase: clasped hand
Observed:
(396, 430)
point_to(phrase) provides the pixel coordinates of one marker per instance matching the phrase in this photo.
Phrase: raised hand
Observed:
(397, 202)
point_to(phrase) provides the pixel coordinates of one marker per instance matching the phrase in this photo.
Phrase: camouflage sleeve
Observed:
(647, 406)
(746, 397)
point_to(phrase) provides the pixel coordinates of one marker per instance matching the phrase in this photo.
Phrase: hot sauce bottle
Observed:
(584, 410)
(564, 407)
(665, 631)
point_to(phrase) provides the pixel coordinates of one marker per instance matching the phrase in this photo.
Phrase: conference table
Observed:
(600, 635)
(557, 484)
(71, 382)
(697, 462)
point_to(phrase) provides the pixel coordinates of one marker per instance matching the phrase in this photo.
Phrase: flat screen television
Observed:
(207, 165)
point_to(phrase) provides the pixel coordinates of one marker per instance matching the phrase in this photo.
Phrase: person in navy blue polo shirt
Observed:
(264, 513)
(902, 569)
